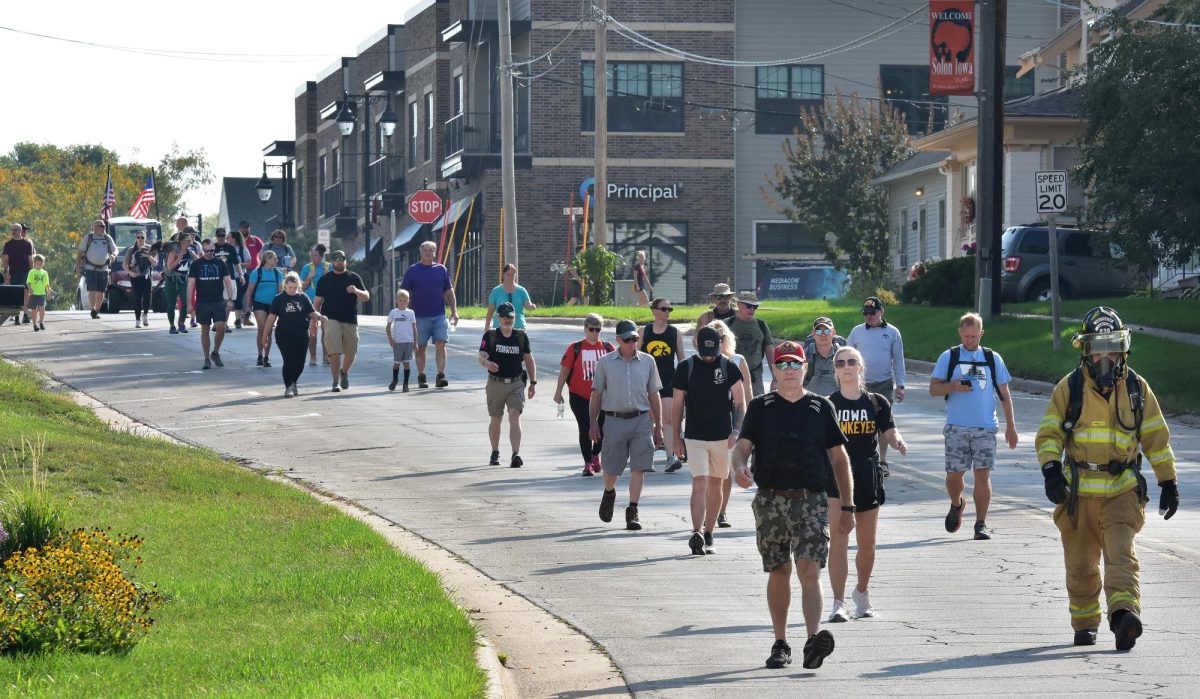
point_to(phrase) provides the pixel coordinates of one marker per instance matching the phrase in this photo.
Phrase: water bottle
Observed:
(561, 410)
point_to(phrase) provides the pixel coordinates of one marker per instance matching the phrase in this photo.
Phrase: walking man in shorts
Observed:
(625, 389)
(712, 389)
(210, 284)
(795, 439)
(882, 349)
(429, 283)
(502, 352)
(969, 377)
(338, 295)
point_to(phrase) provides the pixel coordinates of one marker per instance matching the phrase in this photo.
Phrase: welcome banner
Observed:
(951, 47)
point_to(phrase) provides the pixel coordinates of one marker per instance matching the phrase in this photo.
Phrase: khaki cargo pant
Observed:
(1105, 526)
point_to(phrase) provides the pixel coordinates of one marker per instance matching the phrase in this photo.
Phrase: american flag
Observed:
(141, 207)
(110, 200)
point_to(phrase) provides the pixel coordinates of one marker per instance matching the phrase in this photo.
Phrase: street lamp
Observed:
(346, 119)
(264, 187)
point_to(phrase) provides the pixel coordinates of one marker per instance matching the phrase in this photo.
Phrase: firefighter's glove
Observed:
(1168, 503)
(1056, 483)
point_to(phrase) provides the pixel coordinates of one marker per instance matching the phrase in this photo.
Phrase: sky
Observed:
(137, 104)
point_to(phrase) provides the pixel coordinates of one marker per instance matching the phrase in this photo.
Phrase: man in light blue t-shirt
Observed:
(970, 387)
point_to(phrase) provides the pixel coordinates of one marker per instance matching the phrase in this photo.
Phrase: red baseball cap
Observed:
(789, 351)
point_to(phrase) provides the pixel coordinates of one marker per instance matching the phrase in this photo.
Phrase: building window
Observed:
(783, 238)
(1014, 87)
(783, 93)
(906, 88)
(336, 163)
(414, 129)
(458, 95)
(322, 166)
(298, 185)
(428, 126)
(641, 96)
(666, 253)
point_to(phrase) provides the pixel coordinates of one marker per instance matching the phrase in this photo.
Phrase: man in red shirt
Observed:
(254, 245)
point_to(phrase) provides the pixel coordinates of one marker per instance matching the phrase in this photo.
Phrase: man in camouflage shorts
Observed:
(796, 441)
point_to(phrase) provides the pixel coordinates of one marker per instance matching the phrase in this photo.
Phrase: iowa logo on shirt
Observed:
(658, 348)
(856, 421)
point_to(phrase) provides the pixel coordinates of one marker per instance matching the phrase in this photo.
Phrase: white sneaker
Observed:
(839, 612)
(862, 600)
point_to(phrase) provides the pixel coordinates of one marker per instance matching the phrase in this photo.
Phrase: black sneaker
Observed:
(954, 517)
(345, 380)
(36, 328)
(404, 388)
(207, 364)
(781, 655)
(216, 359)
(708, 543)
(516, 461)
(494, 459)
(606, 505)
(723, 521)
(182, 328)
(1127, 627)
(392, 385)
(696, 544)
(421, 382)
(336, 388)
(674, 464)
(631, 518)
(441, 381)
(237, 324)
(259, 361)
(1085, 637)
(95, 315)
(982, 533)
(266, 362)
(817, 648)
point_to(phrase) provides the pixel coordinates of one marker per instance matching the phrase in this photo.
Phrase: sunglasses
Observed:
(839, 363)
(629, 340)
(749, 306)
(593, 328)
(664, 309)
(870, 311)
(338, 258)
(209, 251)
(789, 365)
(823, 331)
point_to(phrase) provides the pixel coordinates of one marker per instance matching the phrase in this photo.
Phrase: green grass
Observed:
(269, 592)
(1169, 314)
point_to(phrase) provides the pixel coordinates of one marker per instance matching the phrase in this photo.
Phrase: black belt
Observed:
(1114, 467)
(626, 416)
(794, 494)
(502, 379)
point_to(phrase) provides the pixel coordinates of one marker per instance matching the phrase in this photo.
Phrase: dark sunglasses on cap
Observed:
(789, 365)
(839, 363)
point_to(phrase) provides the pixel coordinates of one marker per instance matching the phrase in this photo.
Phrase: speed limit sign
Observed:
(1050, 188)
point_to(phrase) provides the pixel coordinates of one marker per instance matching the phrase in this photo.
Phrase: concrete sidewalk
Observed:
(956, 616)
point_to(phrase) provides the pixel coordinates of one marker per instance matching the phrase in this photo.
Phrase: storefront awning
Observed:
(359, 253)
(405, 235)
(457, 210)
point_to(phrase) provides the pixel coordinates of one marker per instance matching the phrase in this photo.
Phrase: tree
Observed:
(1140, 144)
(58, 192)
(825, 183)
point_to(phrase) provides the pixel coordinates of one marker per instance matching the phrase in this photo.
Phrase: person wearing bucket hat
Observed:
(754, 341)
(722, 308)
(882, 349)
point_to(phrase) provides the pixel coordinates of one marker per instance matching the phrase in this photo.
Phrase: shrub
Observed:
(29, 517)
(943, 283)
(75, 594)
(598, 265)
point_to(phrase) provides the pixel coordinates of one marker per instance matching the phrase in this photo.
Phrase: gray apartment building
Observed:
(687, 150)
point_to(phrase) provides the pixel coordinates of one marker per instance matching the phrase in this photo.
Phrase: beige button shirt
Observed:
(625, 385)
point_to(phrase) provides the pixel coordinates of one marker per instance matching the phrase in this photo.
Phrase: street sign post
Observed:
(424, 206)
(1050, 192)
(323, 237)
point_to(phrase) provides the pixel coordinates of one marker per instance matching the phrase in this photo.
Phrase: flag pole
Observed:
(157, 215)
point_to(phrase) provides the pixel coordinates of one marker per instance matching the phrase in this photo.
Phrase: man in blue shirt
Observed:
(969, 386)
(428, 283)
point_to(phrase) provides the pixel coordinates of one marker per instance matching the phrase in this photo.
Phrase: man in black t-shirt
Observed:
(712, 389)
(211, 287)
(338, 294)
(228, 253)
(503, 352)
(795, 437)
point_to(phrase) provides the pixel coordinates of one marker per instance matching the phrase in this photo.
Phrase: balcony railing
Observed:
(478, 133)
(331, 200)
(386, 174)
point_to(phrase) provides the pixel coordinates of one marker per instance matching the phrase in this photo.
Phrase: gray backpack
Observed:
(96, 251)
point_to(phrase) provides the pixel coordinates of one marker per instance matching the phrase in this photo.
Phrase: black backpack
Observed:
(724, 370)
(1133, 385)
(577, 349)
(989, 360)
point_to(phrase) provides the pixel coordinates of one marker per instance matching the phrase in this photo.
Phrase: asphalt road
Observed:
(956, 616)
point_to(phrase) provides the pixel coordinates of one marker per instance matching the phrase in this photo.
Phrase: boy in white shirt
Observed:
(402, 336)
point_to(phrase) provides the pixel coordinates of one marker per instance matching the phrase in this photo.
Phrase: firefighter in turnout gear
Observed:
(1088, 443)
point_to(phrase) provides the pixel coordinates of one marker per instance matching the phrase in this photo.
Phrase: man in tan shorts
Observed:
(338, 295)
(503, 352)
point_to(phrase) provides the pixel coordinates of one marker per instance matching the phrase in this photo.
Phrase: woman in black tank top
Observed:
(663, 341)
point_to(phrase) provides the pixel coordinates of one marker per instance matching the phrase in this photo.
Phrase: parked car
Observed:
(120, 290)
(801, 281)
(1085, 269)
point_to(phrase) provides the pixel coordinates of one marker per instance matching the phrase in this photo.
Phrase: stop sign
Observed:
(425, 206)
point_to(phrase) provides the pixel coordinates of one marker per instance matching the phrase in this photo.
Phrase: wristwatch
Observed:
(849, 508)
(533, 383)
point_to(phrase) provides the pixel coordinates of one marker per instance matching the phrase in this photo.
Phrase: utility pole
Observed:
(365, 159)
(600, 83)
(507, 158)
(993, 20)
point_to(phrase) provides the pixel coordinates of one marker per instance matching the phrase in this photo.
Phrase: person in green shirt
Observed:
(38, 285)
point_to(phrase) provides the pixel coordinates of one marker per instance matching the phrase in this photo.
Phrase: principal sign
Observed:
(653, 192)
(1050, 190)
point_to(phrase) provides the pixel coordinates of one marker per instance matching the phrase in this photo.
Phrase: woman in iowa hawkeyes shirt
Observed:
(864, 418)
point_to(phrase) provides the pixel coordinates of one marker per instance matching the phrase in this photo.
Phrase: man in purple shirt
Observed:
(429, 285)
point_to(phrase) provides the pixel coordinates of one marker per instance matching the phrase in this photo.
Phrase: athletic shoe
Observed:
(174, 330)
(36, 328)
(631, 518)
(295, 390)
(194, 324)
(839, 613)
(258, 362)
(673, 464)
(392, 385)
(817, 648)
(494, 459)
(954, 517)
(266, 362)
(708, 543)
(862, 602)
(595, 462)
(25, 319)
(216, 359)
(723, 521)
(287, 392)
(345, 380)
(421, 382)
(248, 322)
(607, 500)
(404, 388)
(237, 324)
(441, 381)
(311, 363)
(207, 364)
(41, 326)
(587, 469)
(696, 543)
(1085, 637)
(1128, 628)
(982, 533)
(516, 461)
(336, 388)
(137, 322)
(781, 655)
(183, 329)
(95, 315)
(652, 469)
